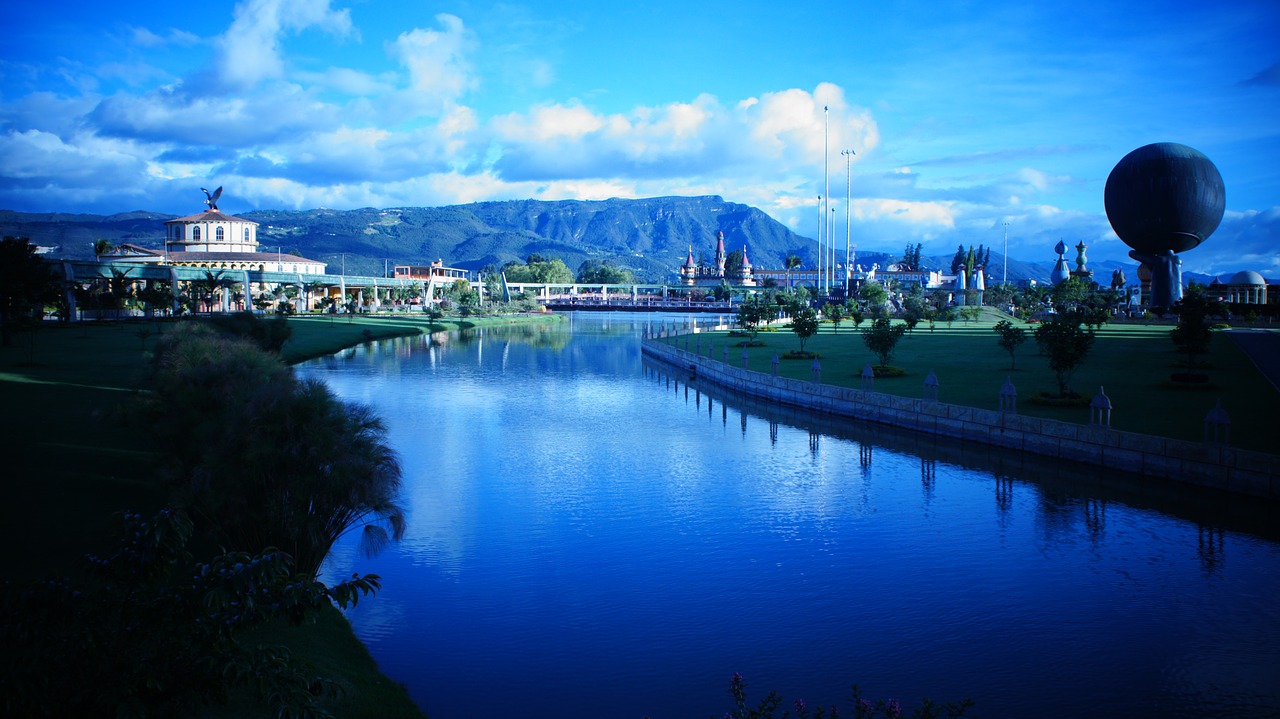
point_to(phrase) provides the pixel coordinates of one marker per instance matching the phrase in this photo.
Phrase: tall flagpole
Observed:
(848, 209)
(826, 176)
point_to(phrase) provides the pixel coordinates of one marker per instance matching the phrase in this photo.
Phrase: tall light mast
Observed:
(831, 250)
(1005, 281)
(826, 176)
(821, 251)
(848, 209)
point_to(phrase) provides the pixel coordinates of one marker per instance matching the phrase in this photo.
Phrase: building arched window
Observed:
(218, 235)
(246, 234)
(195, 232)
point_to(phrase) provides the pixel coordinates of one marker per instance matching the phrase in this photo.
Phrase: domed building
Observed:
(1246, 288)
(216, 241)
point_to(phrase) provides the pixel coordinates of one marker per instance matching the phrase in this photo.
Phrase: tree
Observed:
(856, 315)
(793, 299)
(1066, 344)
(262, 459)
(309, 288)
(914, 309)
(873, 294)
(911, 257)
(604, 272)
(753, 311)
(1010, 339)
(882, 338)
(1070, 294)
(1193, 335)
(805, 324)
(791, 263)
(733, 264)
(158, 634)
(269, 335)
(27, 282)
(958, 260)
(835, 313)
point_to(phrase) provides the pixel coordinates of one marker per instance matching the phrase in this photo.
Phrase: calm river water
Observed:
(592, 537)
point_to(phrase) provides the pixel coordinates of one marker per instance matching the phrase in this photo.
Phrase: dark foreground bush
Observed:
(154, 633)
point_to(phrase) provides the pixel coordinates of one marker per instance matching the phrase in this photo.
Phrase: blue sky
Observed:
(964, 116)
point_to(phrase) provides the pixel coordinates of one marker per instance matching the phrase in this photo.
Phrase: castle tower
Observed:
(689, 270)
(747, 275)
(721, 257)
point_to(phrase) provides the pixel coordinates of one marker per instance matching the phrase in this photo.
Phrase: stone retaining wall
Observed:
(1208, 465)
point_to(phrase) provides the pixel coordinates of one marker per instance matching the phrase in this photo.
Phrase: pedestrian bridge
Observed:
(216, 285)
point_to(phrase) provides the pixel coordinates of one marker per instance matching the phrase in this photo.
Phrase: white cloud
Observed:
(758, 139)
(143, 37)
(249, 51)
(914, 213)
(228, 122)
(439, 73)
(348, 81)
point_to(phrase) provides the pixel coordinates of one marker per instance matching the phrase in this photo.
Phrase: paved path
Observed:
(1263, 347)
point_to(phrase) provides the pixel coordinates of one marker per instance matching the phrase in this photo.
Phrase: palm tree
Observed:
(119, 289)
(792, 263)
(265, 460)
(307, 289)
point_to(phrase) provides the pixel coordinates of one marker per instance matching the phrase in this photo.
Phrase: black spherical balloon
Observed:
(1164, 196)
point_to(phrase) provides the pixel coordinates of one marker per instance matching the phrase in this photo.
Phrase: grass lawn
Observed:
(1132, 363)
(75, 460)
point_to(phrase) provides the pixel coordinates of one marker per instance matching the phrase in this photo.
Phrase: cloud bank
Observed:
(286, 129)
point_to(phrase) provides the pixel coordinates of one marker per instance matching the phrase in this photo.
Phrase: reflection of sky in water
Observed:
(589, 538)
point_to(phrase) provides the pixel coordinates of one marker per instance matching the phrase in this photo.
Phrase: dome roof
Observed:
(1248, 277)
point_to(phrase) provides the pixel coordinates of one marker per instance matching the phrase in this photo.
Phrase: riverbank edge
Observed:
(1215, 466)
(388, 326)
(339, 645)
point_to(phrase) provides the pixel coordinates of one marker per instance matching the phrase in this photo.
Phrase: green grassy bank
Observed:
(74, 459)
(1132, 362)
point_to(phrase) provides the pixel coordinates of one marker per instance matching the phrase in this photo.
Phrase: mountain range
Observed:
(651, 237)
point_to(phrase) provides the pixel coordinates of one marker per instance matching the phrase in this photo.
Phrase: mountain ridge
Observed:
(650, 236)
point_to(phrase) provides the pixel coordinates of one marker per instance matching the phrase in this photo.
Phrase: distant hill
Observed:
(650, 236)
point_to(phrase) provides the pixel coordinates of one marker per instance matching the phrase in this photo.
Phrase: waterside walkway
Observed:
(1209, 464)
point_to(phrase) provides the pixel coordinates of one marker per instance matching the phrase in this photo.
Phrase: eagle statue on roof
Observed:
(212, 199)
